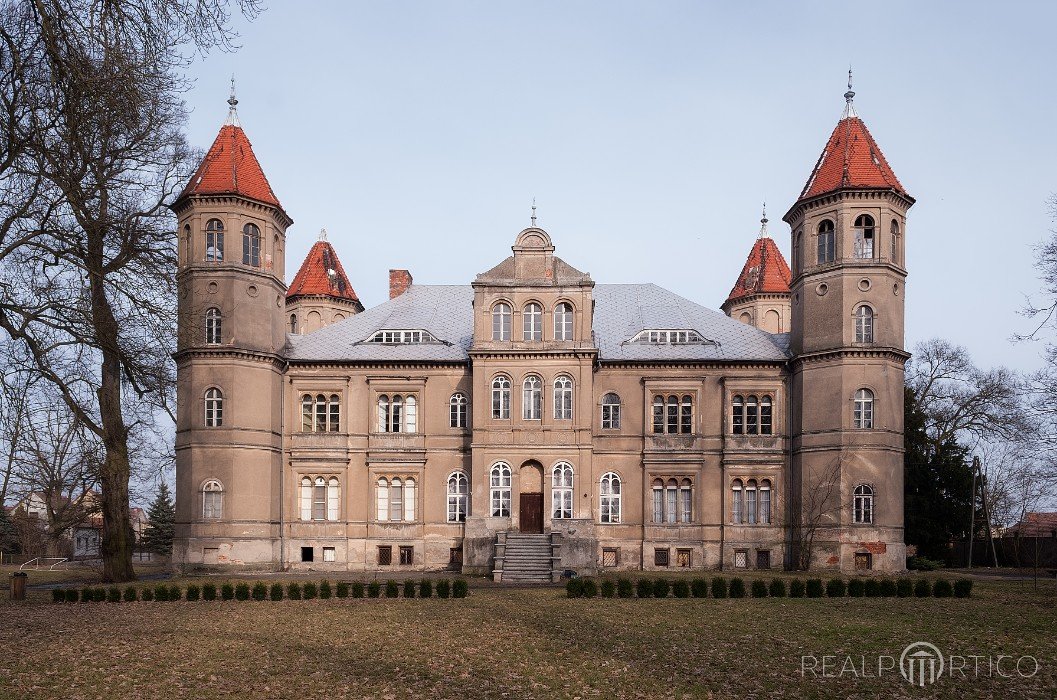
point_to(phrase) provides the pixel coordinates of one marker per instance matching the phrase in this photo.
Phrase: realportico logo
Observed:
(920, 664)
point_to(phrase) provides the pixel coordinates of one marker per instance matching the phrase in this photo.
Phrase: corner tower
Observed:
(231, 336)
(848, 272)
(320, 293)
(761, 295)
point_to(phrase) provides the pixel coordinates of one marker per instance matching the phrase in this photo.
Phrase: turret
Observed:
(320, 293)
(761, 296)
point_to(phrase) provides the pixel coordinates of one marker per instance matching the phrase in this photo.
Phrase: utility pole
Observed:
(972, 512)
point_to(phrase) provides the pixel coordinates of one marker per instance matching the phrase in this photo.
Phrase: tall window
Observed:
(562, 490)
(826, 242)
(895, 241)
(532, 321)
(458, 410)
(458, 497)
(396, 499)
(863, 504)
(213, 327)
(751, 415)
(686, 501)
(864, 324)
(212, 500)
(765, 502)
(320, 413)
(797, 254)
(532, 398)
(500, 490)
(398, 414)
(750, 502)
(214, 408)
(563, 321)
(501, 321)
(864, 236)
(251, 245)
(609, 497)
(563, 398)
(737, 502)
(674, 415)
(293, 323)
(863, 408)
(672, 501)
(737, 408)
(610, 412)
(501, 398)
(320, 498)
(214, 240)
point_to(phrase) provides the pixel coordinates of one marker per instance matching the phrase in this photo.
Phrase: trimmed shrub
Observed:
(98, 595)
(374, 589)
(590, 588)
(608, 588)
(963, 588)
(814, 588)
(719, 587)
(146, 594)
(161, 592)
(904, 588)
(873, 588)
(923, 564)
(113, 595)
(58, 595)
(922, 588)
(391, 589)
(888, 587)
(309, 591)
(193, 593)
(737, 588)
(425, 589)
(409, 589)
(836, 588)
(574, 588)
(357, 590)
(759, 589)
(325, 591)
(293, 591)
(443, 588)
(777, 588)
(130, 594)
(260, 591)
(276, 591)
(943, 589)
(625, 588)
(242, 591)
(856, 588)
(175, 593)
(459, 588)
(644, 588)
(342, 589)
(209, 591)
(86, 595)
(227, 592)
(796, 588)
(699, 588)
(71, 595)
(661, 587)
(681, 588)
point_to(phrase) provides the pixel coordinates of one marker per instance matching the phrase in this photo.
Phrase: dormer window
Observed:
(669, 337)
(402, 337)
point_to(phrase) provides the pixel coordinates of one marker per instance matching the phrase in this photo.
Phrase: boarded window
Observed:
(683, 558)
(455, 556)
(610, 557)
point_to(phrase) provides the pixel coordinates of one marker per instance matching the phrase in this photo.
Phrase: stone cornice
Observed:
(797, 211)
(186, 202)
(840, 353)
(213, 353)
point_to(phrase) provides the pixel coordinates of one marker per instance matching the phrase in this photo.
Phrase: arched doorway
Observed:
(530, 496)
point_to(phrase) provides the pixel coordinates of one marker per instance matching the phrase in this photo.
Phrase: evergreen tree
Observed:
(161, 518)
(8, 533)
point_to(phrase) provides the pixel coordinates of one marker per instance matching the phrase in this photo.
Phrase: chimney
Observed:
(399, 281)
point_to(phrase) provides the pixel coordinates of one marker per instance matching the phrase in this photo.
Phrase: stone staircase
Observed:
(527, 558)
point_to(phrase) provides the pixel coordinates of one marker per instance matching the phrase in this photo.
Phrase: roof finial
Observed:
(533, 212)
(322, 234)
(233, 116)
(849, 108)
(763, 222)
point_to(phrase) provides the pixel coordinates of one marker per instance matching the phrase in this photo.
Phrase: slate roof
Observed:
(230, 167)
(314, 277)
(765, 272)
(851, 158)
(621, 311)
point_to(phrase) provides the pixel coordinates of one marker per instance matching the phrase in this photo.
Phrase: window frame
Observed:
(610, 499)
(826, 233)
(458, 410)
(564, 321)
(212, 500)
(865, 324)
(458, 497)
(251, 244)
(214, 407)
(865, 247)
(532, 398)
(610, 411)
(532, 322)
(502, 321)
(501, 386)
(214, 322)
(863, 504)
(563, 397)
(214, 251)
(863, 414)
(499, 489)
(562, 483)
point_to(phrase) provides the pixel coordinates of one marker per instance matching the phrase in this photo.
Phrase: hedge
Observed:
(661, 587)
(699, 588)
(777, 588)
(608, 588)
(625, 589)
(325, 591)
(759, 589)
(681, 589)
(443, 588)
(409, 588)
(425, 589)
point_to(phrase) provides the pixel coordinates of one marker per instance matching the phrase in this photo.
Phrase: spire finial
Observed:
(533, 212)
(849, 108)
(763, 222)
(322, 234)
(233, 116)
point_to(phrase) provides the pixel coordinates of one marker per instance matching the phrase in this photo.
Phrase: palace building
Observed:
(534, 421)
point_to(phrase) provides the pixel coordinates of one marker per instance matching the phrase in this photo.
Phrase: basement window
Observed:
(307, 554)
(660, 557)
(385, 555)
(407, 556)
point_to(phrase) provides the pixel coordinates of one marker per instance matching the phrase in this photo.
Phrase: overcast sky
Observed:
(649, 133)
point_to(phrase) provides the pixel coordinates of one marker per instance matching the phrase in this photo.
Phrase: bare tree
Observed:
(816, 506)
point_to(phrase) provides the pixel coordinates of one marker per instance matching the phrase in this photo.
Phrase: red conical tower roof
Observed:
(765, 272)
(321, 274)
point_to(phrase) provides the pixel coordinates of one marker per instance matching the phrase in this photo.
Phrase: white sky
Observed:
(418, 133)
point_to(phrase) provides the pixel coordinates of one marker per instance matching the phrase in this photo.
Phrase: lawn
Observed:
(520, 643)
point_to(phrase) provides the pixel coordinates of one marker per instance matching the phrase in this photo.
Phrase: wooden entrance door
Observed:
(531, 513)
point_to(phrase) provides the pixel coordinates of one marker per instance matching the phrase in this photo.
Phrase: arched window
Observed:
(251, 245)
(185, 243)
(797, 252)
(563, 321)
(458, 409)
(397, 414)
(563, 398)
(765, 502)
(501, 398)
(410, 414)
(320, 413)
(458, 497)
(658, 500)
(895, 241)
(532, 321)
(383, 413)
(315, 498)
(737, 418)
(609, 497)
(499, 491)
(212, 500)
(334, 413)
(737, 502)
(826, 242)
(383, 499)
(864, 236)
(671, 500)
(396, 500)
(658, 414)
(214, 240)
(864, 324)
(864, 408)
(750, 502)
(532, 398)
(293, 323)
(752, 415)
(674, 416)
(409, 500)
(766, 416)
(686, 415)
(686, 501)
(611, 412)
(214, 408)
(213, 326)
(501, 321)
(562, 490)
(863, 504)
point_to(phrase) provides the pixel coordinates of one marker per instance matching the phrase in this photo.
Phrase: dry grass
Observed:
(525, 643)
